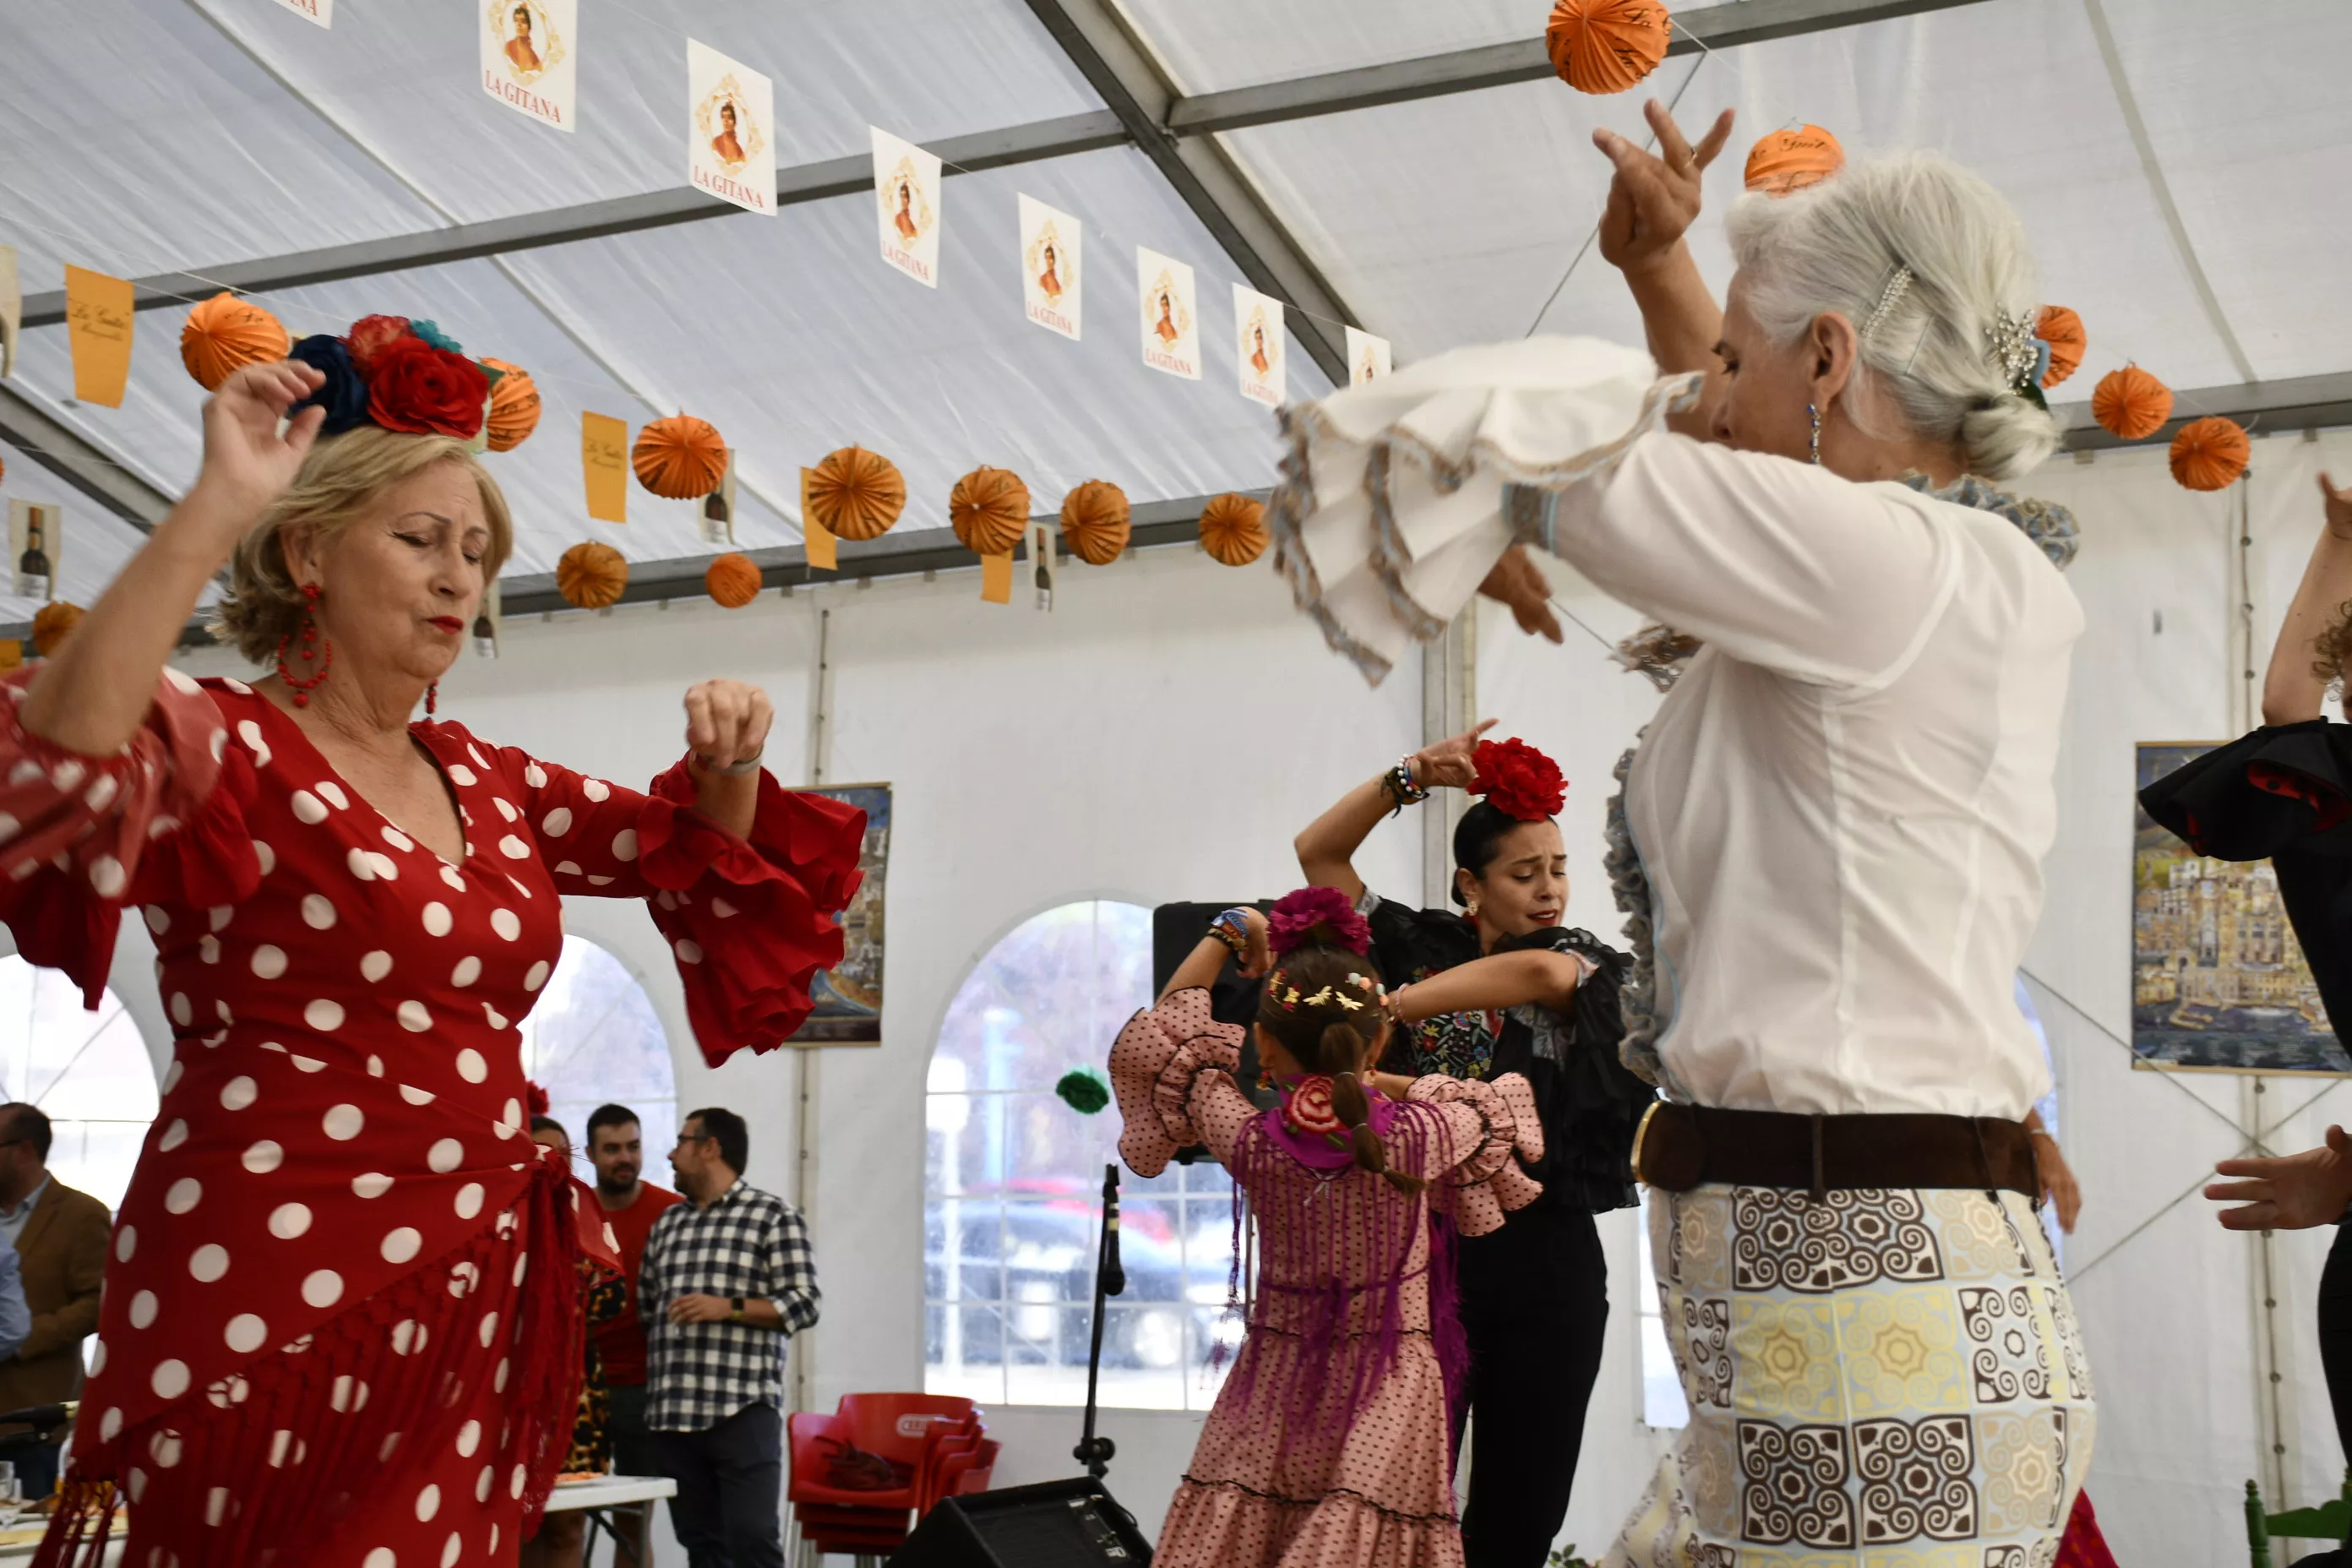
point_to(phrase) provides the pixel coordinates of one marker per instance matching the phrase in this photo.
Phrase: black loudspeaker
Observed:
(1054, 1524)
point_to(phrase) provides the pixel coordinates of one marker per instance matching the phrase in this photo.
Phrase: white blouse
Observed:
(1844, 804)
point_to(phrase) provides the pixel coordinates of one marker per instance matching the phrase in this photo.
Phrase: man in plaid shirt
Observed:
(727, 1277)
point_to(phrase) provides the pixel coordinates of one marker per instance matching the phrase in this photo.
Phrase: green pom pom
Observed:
(1084, 1089)
(432, 333)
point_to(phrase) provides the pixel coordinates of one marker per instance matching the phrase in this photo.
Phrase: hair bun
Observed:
(2007, 436)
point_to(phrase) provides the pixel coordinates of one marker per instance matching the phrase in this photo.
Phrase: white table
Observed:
(22, 1551)
(600, 1497)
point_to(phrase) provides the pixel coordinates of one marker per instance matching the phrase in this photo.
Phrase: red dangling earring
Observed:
(322, 653)
(431, 693)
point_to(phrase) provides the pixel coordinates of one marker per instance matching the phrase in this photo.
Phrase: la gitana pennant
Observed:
(729, 142)
(1168, 317)
(906, 203)
(527, 57)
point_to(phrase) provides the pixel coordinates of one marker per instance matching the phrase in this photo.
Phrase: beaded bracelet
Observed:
(1398, 782)
(1231, 927)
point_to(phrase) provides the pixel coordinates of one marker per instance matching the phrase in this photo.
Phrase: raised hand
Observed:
(2339, 508)
(1449, 763)
(248, 461)
(727, 724)
(2293, 1192)
(1654, 196)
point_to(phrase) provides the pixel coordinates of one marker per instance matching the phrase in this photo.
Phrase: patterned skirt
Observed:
(1888, 1378)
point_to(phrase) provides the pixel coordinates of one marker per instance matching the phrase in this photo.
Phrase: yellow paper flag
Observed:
(996, 579)
(816, 537)
(604, 464)
(97, 318)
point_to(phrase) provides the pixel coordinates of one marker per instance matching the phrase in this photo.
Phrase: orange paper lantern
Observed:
(1606, 46)
(1232, 529)
(514, 405)
(2210, 454)
(2063, 330)
(1096, 522)
(856, 494)
(51, 626)
(2131, 404)
(591, 575)
(680, 457)
(989, 509)
(733, 581)
(224, 334)
(1788, 161)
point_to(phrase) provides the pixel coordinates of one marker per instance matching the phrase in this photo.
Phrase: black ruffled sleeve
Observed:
(2286, 786)
(2283, 792)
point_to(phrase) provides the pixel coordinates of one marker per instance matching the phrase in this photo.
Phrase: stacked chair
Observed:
(861, 1477)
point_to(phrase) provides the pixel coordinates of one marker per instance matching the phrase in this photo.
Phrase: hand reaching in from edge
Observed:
(2058, 1186)
(2339, 508)
(2292, 1191)
(1518, 583)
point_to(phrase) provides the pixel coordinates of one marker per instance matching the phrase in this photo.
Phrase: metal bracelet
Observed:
(734, 770)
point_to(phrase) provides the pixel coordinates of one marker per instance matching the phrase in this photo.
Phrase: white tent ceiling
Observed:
(158, 136)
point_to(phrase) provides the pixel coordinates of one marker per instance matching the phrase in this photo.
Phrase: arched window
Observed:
(1014, 1182)
(89, 1072)
(594, 1037)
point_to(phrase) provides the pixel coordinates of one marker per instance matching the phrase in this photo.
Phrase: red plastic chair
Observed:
(907, 1429)
(961, 1475)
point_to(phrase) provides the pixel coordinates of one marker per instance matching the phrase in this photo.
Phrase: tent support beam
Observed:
(1178, 120)
(81, 462)
(2268, 408)
(1120, 68)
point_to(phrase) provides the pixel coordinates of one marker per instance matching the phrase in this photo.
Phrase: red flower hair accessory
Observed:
(1306, 1107)
(370, 336)
(537, 1097)
(427, 391)
(1518, 781)
(1297, 916)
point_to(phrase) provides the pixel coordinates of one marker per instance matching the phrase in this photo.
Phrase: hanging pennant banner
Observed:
(817, 542)
(1263, 352)
(12, 310)
(98, 318)
(729, 151)
(1050, 267)
(907, 199)
(37, 544)
(1171, 337)
(319, 11)
(996, 579)
(604, 464)
(527, 61)
(1368, 357)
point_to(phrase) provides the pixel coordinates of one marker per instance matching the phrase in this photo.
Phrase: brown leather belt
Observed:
(1683, 1146)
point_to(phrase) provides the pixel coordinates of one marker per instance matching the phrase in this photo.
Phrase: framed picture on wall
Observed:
(849, 995)
(2218, 983)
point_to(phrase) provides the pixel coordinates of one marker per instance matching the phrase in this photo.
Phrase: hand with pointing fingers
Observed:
(1655, 195)
(1519, 584)
(1451, 764)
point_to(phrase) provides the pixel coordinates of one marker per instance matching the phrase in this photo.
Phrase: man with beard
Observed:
(631, 1206)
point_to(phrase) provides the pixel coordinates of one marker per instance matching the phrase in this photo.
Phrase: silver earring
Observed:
(1814, 415)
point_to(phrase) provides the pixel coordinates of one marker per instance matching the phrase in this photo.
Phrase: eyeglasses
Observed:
(686, 1138)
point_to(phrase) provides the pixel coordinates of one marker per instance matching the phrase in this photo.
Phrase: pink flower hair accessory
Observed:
(1297, 916)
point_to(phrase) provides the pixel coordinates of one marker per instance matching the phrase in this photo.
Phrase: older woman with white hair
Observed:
(1832, 832)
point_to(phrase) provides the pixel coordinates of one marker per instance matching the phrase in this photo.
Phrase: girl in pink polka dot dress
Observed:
(341, 1324)
(1330, 1444)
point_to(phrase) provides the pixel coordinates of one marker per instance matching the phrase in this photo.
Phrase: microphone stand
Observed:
(1094, 1452)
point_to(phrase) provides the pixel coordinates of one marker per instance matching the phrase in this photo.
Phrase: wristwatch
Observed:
(737, 1302)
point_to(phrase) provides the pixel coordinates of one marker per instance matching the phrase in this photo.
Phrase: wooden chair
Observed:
(2330, 1521)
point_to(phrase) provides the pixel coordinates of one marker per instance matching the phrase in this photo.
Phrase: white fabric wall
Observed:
(1163, 733)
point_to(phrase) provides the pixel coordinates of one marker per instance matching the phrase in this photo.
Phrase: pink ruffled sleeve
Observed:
(752, 920)
(1486, 1121)
(162, 820)
(1172, 1069)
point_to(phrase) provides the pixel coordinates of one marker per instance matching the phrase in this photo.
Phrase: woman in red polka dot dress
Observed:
(340, 1323)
